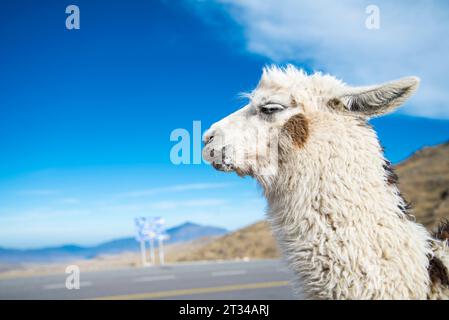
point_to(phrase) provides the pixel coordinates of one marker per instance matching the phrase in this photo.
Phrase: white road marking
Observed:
(228, 273)
(155, 278)
(62, 285)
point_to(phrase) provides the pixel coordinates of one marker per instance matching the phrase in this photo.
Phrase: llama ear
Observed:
(376, 100)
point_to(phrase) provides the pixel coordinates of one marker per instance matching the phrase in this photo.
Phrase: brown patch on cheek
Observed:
(297, 127)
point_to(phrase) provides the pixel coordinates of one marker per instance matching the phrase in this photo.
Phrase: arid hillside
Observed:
(254, 242)
(423, 180)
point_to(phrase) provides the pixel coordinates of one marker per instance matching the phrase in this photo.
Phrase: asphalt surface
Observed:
(267, 279)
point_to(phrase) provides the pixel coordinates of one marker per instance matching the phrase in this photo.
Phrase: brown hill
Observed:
(423, 179)
(254, 242)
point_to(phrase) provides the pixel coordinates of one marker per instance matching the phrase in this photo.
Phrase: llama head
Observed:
(276, 120)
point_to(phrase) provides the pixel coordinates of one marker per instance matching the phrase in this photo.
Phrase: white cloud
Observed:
(331, 36)
(40, 215)
(38, 192)
(166, 205)
(174, 188)
(69, 201)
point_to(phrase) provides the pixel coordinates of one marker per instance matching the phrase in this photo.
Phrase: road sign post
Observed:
(143, 253)
(149, 229)
(161, 250)
(152, 251)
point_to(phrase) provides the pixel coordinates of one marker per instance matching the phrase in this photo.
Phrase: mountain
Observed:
(423, 180)
(45, 254)
(190, 231)
(255, 242)
(184, 232)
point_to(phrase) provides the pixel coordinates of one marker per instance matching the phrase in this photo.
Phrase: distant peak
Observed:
(188, 224)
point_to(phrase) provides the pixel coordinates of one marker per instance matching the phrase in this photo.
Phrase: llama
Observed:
(340, 221)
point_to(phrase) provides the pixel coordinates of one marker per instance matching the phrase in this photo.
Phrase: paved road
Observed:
(265, 279)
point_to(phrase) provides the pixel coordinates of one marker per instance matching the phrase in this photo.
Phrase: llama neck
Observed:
(336, 216)
(338, 181)
(333, 194)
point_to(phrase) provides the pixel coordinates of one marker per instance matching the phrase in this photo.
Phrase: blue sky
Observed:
(86, 115)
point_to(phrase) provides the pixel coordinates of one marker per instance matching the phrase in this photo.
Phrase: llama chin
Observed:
(333, 204)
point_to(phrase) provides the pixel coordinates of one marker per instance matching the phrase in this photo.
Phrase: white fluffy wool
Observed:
(337, 219)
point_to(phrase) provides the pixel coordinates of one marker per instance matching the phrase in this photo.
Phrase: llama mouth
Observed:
(231, 168)
(222, 164)
(223, 167)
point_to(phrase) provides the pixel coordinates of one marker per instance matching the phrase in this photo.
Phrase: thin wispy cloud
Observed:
(44, 214)
(331, 36)
(69, 201)
(174, 188)
(197, 203)
(161, 206)
(38, 192)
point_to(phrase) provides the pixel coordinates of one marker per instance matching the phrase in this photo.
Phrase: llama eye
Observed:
(271, 108)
